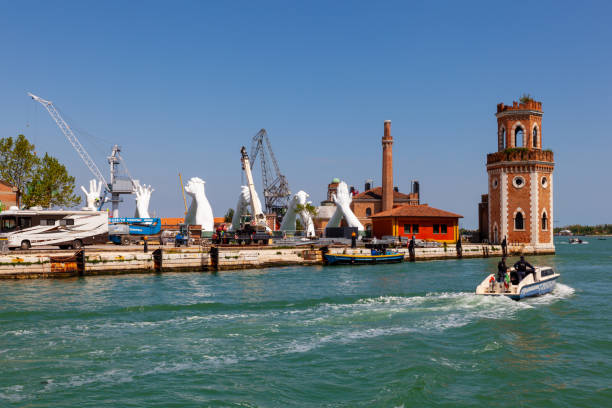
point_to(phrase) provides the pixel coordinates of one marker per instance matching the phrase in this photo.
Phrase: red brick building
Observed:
(422, 221)
(8, 195)
(520, 201)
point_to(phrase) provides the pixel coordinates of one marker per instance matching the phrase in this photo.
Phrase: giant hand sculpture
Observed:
(244, 201)
(290, 216)
(93, 195)
(343, 201)
(289, 220)
(200, 211)
(143, 196)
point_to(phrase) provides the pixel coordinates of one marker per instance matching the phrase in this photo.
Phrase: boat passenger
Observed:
(502, 268)
(524, 268)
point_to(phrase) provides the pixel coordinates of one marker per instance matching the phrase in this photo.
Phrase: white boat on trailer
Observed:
(540, 282)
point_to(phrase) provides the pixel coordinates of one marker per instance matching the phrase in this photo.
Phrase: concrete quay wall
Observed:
(53, 264)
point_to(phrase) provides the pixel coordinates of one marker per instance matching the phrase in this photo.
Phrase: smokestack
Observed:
(396, 189)
(387, 168)
(415, 186)
(368, 185)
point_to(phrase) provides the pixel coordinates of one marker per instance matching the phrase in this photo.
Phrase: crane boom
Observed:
(67, 131)
(275, 185)
(260, 218)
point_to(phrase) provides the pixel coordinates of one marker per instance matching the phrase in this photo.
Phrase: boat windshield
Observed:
(8, 224)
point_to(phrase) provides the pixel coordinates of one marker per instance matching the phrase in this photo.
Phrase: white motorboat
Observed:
(540, 282)
(577, 241)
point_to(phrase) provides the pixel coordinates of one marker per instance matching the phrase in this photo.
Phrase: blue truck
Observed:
(125, 231)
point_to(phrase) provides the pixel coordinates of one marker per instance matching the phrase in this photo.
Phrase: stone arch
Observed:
(519, 220)
(535, 136)
(514, 138)
(495, 237)
(544, 220)
(501, 137)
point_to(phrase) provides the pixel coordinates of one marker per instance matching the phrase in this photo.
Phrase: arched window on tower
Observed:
(368, 212)
(519, 134)
(519, 223)
(535, 136)
(503, 139)
(544, 222)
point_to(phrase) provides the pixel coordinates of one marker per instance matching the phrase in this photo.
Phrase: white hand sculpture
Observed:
(289, 220)
(200, 212)
(241, 207)
(143, 196)
(343, 201)
(290, 216)
(92, 195)
(306, 218)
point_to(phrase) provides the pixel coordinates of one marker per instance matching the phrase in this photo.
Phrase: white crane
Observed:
(67, 131)
(260, 218)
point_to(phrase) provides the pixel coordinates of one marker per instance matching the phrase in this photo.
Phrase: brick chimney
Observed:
(387, 168)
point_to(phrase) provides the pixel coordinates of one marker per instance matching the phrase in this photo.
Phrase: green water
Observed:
(391, 336)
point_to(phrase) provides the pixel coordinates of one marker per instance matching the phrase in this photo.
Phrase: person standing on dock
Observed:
(411, 246)
(459, 248)
(353, 240)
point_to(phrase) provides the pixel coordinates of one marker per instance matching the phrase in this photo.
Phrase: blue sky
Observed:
(182, 85)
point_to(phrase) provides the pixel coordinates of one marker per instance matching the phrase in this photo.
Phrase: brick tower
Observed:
(520, 199)
(387, 168)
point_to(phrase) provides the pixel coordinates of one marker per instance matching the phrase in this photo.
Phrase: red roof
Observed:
(376, 193)
(422, 210)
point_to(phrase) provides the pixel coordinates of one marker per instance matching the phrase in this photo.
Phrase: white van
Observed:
(67, 229)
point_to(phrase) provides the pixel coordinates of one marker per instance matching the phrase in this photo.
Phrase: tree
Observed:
(18, 162)
(50, 186)
(229, 215)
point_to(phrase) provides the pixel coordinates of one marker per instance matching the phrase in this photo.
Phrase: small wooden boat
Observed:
(375, 257)
(540, 282)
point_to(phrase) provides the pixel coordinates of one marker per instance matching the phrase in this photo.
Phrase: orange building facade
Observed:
(422, 221)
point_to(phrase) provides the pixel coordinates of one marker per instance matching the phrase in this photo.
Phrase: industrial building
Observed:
(385, 211)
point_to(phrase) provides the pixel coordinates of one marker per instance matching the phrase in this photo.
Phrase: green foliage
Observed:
(603, 229)
(229, 215)
(526, 98)
(18, 162)
(1, 206)
(511, 150)
(40, 182)
(51, 186)
(311, 209)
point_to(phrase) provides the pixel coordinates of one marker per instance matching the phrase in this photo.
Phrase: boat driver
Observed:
(524, 268)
